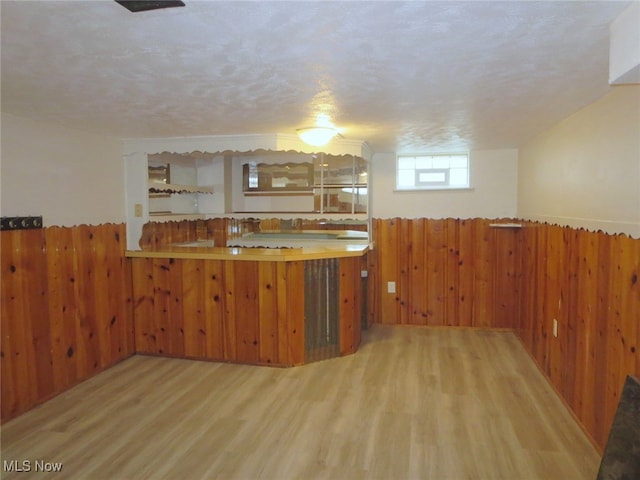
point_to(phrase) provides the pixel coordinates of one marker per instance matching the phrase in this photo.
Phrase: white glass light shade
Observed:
(316, 136)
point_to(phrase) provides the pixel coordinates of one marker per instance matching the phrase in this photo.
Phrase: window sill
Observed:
(436, 189)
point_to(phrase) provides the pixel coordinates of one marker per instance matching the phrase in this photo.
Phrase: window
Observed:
(433, 171)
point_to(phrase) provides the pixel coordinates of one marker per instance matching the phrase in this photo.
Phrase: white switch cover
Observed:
(391, 287)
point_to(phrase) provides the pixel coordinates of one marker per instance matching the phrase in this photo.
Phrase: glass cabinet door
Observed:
(269, 177)
(340, 184)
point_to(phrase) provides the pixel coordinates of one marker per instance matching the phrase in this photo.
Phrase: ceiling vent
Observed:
(136, 6)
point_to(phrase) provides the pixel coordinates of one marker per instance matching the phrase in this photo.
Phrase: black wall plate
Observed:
(20, 223)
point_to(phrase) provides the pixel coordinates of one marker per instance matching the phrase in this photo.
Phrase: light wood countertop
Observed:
(252, 254)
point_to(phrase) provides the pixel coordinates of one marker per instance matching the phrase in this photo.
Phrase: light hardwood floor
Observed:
(414, 402)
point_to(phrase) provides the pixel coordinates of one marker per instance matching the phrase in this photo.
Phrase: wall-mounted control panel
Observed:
(20, 223)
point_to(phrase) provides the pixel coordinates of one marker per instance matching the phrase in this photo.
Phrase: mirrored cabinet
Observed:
(176, 184)
(332, 183)
(340, 184)
(277, 177)
(245, 176)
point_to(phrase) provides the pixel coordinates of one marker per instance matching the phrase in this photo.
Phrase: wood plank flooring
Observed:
(414, 402)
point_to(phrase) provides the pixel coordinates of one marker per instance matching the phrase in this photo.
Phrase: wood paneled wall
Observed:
(66, 309)
(589, 282)
(157, 234)
(447, 272)
(466, 273)
(351, 298)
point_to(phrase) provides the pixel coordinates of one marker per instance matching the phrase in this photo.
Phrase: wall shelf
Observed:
(174, 217)
(505, 225)
(176, 188)
(289, 193)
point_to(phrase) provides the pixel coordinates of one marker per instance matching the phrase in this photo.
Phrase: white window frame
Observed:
(425, 177)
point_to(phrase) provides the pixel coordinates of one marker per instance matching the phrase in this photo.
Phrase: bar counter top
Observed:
(193, 250)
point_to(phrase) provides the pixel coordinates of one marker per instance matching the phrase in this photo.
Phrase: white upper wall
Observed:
(585, 171)
(71, 177)
(493, 193)
(67, 176)
(624, 47)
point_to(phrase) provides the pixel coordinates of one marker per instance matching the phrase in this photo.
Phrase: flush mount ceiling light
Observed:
(317, 136)
(142, 6)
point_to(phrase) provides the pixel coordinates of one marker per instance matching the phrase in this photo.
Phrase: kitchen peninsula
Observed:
(263, 306)
(198, 211)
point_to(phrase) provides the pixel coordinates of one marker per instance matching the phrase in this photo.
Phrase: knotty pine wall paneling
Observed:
(447, 272)
(350, 304)
(193, 296)
(236, 311)
(24, 300)
(268, 335)
(588, 282)
(467, 273)
(66, 309)
(157, 234)
(243, 311)
(67, 302)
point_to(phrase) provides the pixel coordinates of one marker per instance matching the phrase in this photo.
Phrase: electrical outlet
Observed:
(391, 287)
(555, 328)
(137, 210)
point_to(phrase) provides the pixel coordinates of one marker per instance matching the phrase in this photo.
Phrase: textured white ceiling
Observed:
(404, 76)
